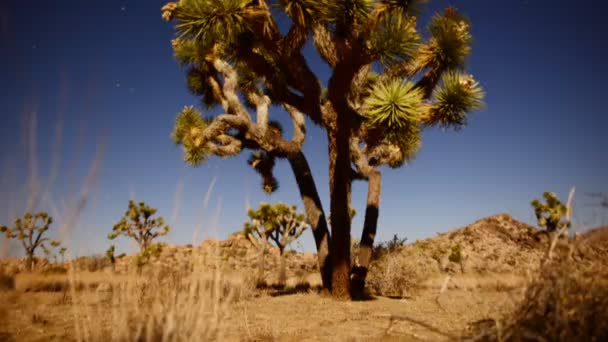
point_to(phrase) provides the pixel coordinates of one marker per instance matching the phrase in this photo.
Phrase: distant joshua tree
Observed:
(550, 214)
(139, 225)
(278, 222)
(30, 233)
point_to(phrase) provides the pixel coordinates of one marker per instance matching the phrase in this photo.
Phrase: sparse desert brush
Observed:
(568, 301)
(394, 275)
(91, 263)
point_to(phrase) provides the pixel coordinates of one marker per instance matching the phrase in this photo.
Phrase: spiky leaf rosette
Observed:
(450, 42)
(210, 21)
(457, 95)
(307, 12)
(189, 126)
(263, 163)
(337, 13)
(395, 39)
(395, 108)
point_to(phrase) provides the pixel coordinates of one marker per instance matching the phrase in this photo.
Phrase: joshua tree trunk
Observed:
(369, 233)
(29, 260)
(339, 178)
(260, 280)
(282, 269)
(315, 216)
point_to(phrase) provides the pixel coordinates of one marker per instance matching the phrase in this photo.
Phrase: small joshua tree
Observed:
(30, 233)
(62, 251)
(138, 224)
(278, 222)
(110, 255)
(551, 213)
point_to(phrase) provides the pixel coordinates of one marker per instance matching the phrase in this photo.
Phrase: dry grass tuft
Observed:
(177, 307)
(568, 301)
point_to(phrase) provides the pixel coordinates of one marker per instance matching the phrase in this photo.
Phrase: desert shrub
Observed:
(54, 270)
(388, 246)
(92, 263)
(456, 254)
(7, 281)
(393, 275)
(381, 248)
(568, 301)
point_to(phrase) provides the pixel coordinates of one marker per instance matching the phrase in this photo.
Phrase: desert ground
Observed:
(487, 281)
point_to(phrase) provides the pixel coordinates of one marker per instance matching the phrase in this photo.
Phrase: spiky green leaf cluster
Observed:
(334, 12)
(457, 95)
(403, 8)
(208, 22)
(137, 223)
(450, 42)
(395, 107)
(550, 214)
(187, 132)
(396, 39)
(307, 12)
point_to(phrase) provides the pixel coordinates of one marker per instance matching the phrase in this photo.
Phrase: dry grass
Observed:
(566, 301)
(176, 308)
(7, 281)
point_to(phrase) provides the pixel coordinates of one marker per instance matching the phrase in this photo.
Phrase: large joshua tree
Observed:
(387, 83)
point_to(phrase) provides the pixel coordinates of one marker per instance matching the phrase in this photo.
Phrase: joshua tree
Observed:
(110, 255)
(387, 83)
(279, 222)
(30, 233)
(62, 251)
(550, 214)
(138, 224)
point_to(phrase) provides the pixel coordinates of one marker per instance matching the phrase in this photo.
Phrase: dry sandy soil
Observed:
(444, 297)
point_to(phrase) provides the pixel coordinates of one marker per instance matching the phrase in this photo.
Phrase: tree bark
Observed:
(260, 280)
(282, 269)
(368, 235)
(315, 216)
(339, 179)
(29, 261)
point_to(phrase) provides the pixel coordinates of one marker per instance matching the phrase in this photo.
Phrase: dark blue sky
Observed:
(104, 71)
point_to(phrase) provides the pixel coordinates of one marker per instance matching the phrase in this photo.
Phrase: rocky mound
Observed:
(235, 254)
(496, 244)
